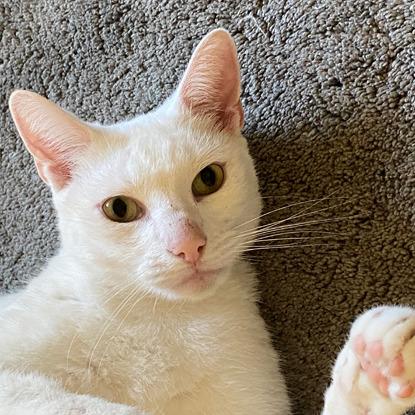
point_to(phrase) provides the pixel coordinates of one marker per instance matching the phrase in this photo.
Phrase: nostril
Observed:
(201, 248)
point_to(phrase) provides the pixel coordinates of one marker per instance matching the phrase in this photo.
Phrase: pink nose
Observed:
(187, 242)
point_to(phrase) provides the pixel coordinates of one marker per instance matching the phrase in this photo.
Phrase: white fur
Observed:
(113, 316)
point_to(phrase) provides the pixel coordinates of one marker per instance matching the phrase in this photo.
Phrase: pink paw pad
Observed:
(405, 391)
(360, 345)
(385, 374)
(376, 350)
(396, 367)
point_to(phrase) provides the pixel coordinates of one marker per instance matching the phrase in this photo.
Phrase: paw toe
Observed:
(360, 344)
(396, 367)
(405, 391)
(376, 350)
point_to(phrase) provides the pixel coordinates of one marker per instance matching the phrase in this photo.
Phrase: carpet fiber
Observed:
(329, 98)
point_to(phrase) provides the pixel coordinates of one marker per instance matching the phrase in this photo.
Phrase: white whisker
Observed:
(275, 226)
(283, 246)
(283, 239)
(118, 288)
(302, 214)
(145, 293)
(273, 231)
(313, 202)
(280, 209)
(106, 327)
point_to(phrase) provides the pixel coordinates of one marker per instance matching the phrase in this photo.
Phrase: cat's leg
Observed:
(375, 372)
(33, 394)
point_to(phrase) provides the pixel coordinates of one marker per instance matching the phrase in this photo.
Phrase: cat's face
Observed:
(155, 165)
(160, 202)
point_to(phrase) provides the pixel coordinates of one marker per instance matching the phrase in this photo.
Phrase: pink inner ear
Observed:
(211, 84)
(49, 163)
(60, 174)
(52, 135)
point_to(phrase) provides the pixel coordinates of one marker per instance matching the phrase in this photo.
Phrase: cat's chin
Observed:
(197, 284)
(198, 281)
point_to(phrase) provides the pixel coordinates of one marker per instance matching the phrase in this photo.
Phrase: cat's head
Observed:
(161, 202)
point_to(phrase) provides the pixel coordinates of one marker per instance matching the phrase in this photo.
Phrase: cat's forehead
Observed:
(156, 145)
(148, 154)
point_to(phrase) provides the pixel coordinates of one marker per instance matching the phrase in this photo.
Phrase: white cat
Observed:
(148, 303)
(148, 307)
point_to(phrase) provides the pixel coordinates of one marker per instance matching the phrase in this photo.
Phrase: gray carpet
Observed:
(329, 98)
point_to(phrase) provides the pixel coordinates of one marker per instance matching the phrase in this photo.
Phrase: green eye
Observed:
(121, 209)
(208, 181)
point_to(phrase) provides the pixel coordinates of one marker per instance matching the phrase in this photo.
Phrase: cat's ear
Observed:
(52, 136)
(211, 84)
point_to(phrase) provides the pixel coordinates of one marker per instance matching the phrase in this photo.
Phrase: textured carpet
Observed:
(329, 98)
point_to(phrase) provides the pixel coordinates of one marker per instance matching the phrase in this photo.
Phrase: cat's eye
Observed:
(208, 181)
(122, 209)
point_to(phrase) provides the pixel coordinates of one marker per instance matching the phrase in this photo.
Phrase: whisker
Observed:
(145, 293)
(252, 260)
(121, 287)
(302, 214)
(283, 239)
(69, 352)
(276, 197)
(301, 232)
(106, 327)
(314, 201)
(283, 246)
(273, 231)
(314, 222)
(277, 225)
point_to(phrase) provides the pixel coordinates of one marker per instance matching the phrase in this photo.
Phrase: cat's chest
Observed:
(149, 361)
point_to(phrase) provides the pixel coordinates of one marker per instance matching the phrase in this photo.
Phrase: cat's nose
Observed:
(187, 242)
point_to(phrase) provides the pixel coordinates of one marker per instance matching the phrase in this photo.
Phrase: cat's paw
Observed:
(383, 339)
(375, 371)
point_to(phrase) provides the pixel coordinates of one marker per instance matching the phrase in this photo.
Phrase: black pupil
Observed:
(208, 176)
(119, 207)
